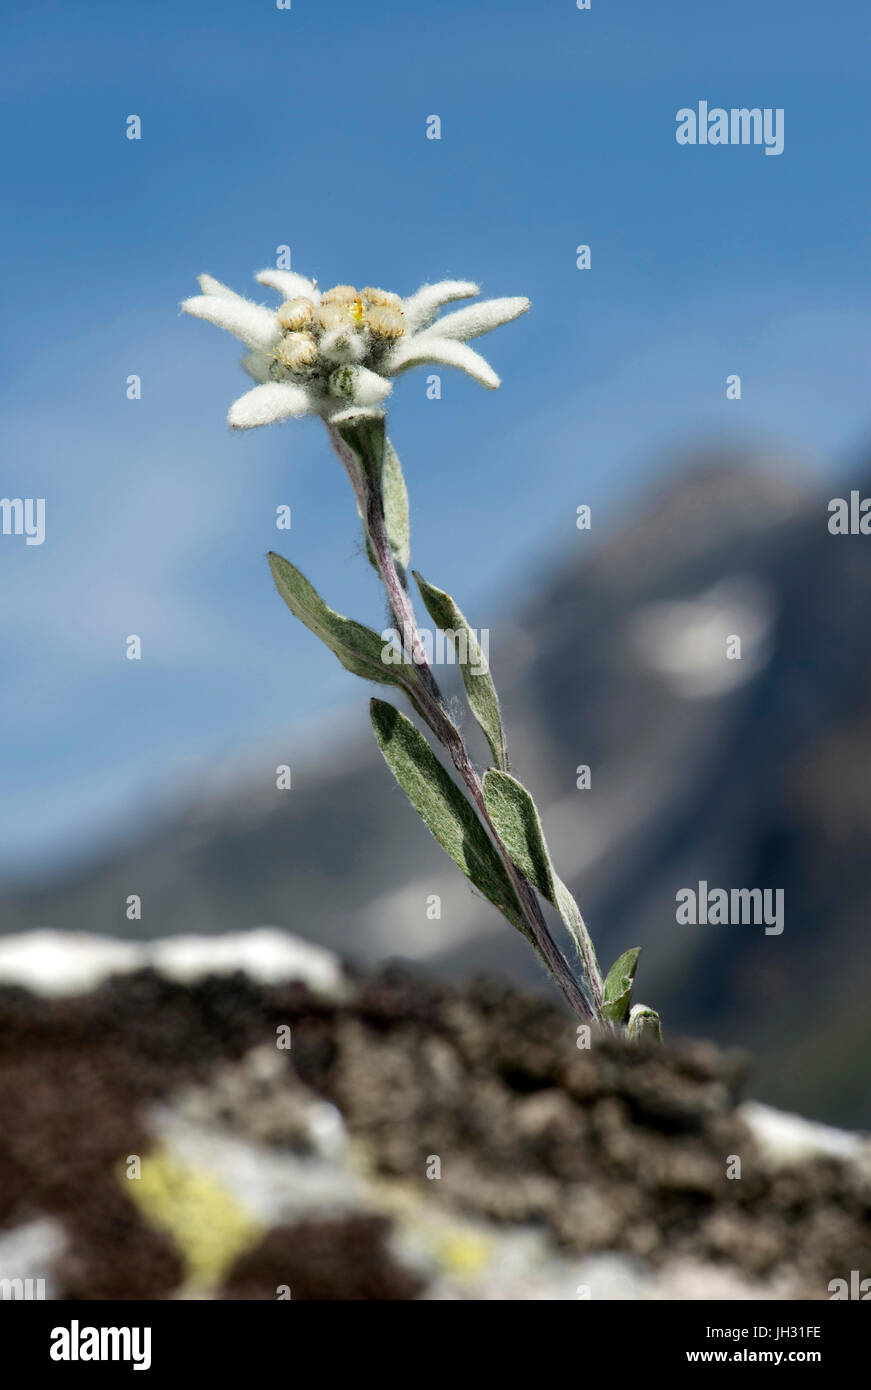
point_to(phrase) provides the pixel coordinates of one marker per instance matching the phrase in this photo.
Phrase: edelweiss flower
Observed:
(320, 354)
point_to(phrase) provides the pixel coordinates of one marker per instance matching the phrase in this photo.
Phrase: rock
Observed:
(415, 1140)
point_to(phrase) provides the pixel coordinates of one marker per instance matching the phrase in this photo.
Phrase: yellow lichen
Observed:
(207, 1224)
(464, 1251)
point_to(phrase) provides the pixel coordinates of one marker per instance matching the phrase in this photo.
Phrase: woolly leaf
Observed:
(515, 817)
(363, 432)
(618, 985)
(518, 825)
(395, 498)
(643, 1023)
(443, 807)
(480, 690)
(358, 648)
(382, 477)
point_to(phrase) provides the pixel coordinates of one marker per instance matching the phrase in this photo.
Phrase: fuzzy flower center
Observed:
(349, 327)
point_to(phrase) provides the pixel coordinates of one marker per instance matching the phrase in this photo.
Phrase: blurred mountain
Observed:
(747, 773)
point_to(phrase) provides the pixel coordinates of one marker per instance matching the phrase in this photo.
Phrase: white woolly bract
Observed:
(476, 319)
(424, 304)
(360, 385)
(344, 344)
(288, 284)
(275, 400)
(257, 364)
(255, 325)
(349, 415)
(428, 347)
(209, 285)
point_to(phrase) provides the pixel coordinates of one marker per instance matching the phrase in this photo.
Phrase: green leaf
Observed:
(480, 690)
(618, 985)
(395, 497)
(518, 825)
(382, 477)
(644, 1023)
(443, 808)
(364, 435)
(358, 648)
(515, 817)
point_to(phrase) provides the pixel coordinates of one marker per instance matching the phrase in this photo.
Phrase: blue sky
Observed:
(263, 127)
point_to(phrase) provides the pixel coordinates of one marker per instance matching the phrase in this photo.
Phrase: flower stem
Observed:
(432, 708)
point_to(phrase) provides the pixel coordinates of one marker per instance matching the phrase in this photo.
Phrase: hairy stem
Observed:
(432, 708)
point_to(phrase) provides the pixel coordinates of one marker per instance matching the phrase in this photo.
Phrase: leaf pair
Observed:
(444, 809)
(452, 820)
(518, 824)
(517, 821)
(384, 486)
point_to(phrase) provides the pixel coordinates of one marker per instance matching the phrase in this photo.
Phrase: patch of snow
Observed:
(55, 963)
(786, 1140)
(685, 641)
(31, 1252)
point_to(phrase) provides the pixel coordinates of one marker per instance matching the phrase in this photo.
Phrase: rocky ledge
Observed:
(244, 1117)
